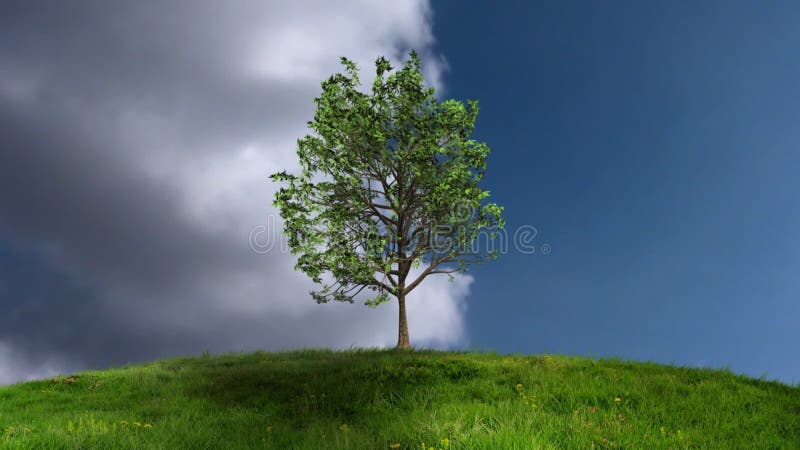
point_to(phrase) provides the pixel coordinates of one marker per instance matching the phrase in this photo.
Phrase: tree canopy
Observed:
(389, 181)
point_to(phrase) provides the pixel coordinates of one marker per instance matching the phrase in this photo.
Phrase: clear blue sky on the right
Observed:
(656, 147)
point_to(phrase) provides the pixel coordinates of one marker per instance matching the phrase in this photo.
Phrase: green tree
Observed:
(389, 182)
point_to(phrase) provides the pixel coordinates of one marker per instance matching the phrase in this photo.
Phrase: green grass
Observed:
(371, 399)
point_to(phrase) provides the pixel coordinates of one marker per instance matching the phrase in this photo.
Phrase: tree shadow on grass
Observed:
(306, 386)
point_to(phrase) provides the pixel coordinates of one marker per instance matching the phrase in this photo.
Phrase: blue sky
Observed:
(653, 145)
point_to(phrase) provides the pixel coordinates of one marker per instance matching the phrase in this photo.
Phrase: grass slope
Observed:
(385, 399)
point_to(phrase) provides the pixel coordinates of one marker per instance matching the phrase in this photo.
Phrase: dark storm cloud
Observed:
(57, 181)
(135, 141)
(98, 61)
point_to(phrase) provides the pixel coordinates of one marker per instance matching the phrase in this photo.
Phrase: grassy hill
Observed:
(385, 399)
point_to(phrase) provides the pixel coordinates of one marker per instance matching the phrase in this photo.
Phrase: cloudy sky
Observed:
(654, 148)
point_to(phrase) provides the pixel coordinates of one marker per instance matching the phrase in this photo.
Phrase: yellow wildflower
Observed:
(617, 399)
(344, 427)
(148, 426)
(445, 442)
(137, 424)
(395, 445)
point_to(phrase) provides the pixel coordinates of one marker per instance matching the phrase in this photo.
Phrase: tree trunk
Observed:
(403, 341)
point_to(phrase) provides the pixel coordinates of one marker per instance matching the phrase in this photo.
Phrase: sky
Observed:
(652, 148)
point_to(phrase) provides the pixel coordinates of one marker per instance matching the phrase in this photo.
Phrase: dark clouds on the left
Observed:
(135, 140)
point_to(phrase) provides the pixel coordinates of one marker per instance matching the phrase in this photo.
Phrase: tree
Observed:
(389, 182)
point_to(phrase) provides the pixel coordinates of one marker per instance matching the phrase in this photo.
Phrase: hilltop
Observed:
(386, 399)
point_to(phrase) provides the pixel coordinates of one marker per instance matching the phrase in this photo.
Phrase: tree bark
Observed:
(403, 341)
